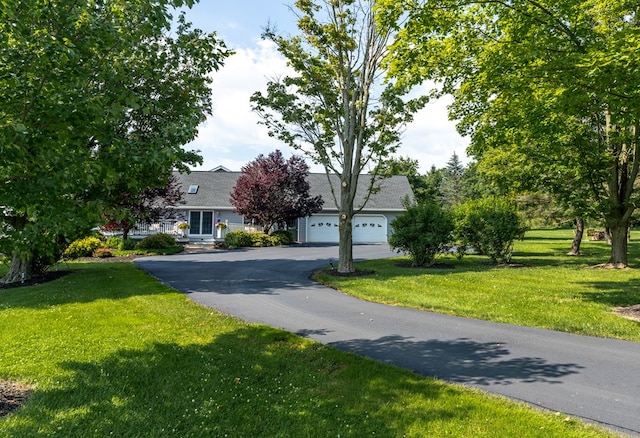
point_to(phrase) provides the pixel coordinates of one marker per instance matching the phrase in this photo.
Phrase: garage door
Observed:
(366, 229)
(369, 229)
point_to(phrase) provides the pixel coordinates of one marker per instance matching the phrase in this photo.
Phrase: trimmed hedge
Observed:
(157, 241)
(240, 239)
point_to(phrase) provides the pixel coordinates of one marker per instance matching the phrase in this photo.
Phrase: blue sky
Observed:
(232, 136)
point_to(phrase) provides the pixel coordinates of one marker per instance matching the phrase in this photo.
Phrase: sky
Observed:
(232, 136)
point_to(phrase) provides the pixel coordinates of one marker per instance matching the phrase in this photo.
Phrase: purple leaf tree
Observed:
(273, 191)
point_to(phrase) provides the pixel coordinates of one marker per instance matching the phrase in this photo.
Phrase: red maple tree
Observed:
(273, 191)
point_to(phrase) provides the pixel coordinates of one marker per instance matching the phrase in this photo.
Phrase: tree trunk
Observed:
(19, 270)
(577, 237)
(618, 233)
(345, 248)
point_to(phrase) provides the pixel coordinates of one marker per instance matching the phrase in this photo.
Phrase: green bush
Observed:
(423, 231)
(128, 244)
(281, 237)
(157, 241)
(113, 242)
(489, 226)
(258, 238)
(238, 239)
(82, 247)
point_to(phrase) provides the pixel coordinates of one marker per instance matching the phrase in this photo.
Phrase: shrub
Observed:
(422, 231)
(103, 253)
(82, 247)
(157, 241)
(237, 239)
(260, 239)
(489, 226)
(113, 242)
(282, 237)
(128, 244)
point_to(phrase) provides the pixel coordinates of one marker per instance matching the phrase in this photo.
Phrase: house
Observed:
(207, 202)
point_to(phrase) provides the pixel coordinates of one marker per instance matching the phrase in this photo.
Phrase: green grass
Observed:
(552, 290)
(111, 352)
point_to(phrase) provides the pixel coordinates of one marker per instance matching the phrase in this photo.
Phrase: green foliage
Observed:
(282, 237)
(422, 231)
(238, 239)
(157, 241)
(113, 242)
(545, 91)
(83, 247)
(128, 244)
(93, 93)
(336, 107)
(489, 226)
(260, 239)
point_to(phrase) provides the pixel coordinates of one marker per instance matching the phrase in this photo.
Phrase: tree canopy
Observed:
(336, 107)
(274, 191)
(545, 88)
(94, 94)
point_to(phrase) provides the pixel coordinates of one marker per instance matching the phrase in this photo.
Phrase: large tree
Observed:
(336, 107)
(274, 191)
(553, 81)
(94, 93)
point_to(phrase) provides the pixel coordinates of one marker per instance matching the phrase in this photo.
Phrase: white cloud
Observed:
(233, 137)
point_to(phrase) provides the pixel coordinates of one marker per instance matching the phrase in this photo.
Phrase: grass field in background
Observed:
(109, 351)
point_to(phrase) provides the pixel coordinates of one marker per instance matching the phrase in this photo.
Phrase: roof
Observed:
(214, 190)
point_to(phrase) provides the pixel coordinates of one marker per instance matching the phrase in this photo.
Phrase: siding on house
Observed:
(213, 196)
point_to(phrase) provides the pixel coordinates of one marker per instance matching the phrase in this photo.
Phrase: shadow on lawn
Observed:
(613, 293)
(83, 283)
(251, 382)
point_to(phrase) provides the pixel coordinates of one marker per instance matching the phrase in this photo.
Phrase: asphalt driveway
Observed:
(592, 378)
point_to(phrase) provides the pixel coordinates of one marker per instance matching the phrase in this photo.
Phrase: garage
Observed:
(366, 229)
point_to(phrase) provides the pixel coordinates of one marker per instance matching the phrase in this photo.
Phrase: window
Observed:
(193, 189)
(201, 222)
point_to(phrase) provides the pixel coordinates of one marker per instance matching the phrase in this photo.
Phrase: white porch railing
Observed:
(143, 229)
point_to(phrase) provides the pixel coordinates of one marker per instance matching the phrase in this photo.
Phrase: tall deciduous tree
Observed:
(557, 79)
(337, 108)
(93, 93)
(273, 191)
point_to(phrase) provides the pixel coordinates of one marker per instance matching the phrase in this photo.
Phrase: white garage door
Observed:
(369, 229)
(366, 229)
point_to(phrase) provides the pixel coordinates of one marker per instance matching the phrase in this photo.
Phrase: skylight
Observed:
(193, 189)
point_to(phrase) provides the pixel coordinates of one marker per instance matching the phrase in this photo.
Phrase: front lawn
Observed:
(543, 287)
(109, 351)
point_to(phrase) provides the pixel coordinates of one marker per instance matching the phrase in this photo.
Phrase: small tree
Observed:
(148, 205)
(274, 191)
(423, 231)
(489, 226)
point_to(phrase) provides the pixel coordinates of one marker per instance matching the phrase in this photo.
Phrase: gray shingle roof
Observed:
(214, 189)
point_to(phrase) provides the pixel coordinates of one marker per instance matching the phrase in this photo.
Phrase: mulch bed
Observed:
(348, 274)
(629, 312)
(48, 276)
(12, 396)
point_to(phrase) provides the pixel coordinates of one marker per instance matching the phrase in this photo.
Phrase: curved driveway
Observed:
(592, 378)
